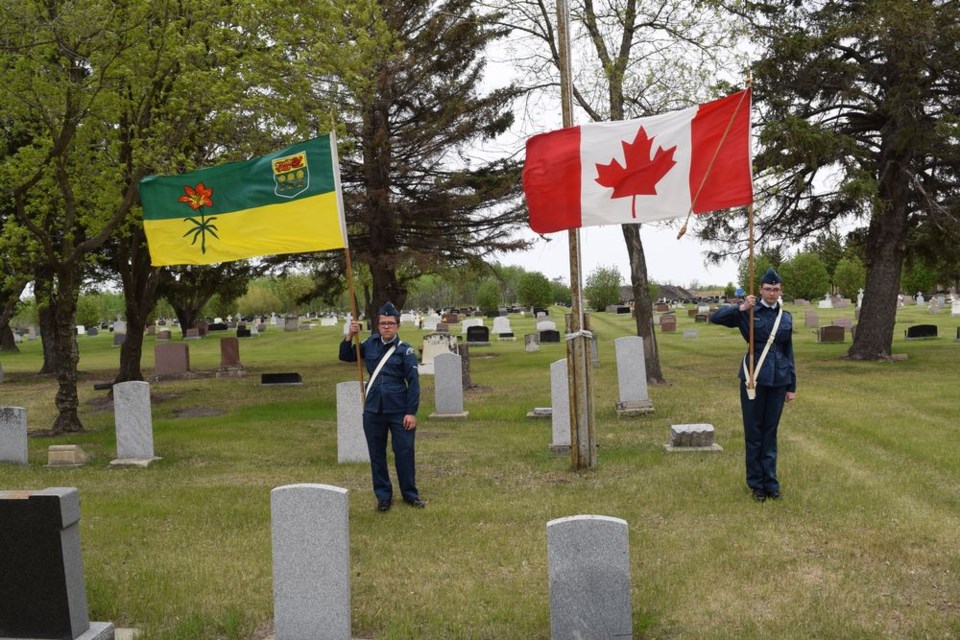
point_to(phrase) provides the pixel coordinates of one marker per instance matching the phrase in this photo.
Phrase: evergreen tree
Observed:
(867, 92)
(415, 203)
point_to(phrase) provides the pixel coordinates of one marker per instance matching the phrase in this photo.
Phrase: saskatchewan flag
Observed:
(284, 202)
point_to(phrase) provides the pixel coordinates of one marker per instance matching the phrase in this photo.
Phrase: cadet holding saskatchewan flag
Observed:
(285, 202)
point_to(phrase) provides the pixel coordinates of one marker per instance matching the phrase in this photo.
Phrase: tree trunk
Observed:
(8, 343)
(48, 338)
(385, 287)
(885, 250)
(66, 354)
(642, 305)
(140, 281)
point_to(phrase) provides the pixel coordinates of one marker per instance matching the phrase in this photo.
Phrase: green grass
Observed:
(865, 543)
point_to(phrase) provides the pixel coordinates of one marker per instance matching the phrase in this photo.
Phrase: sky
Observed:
(669, 261)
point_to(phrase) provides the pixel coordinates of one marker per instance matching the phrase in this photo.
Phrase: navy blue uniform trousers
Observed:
(376, 427)
(761, 416)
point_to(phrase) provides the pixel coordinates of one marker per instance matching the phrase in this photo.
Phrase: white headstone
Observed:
(588, 567)
(120, 326)
(501, 324)
(631, 376)
(433, 345)
(471, 322)
(826, 303)
(310, 529)
(351, 443)
(448, 390)
(546, 325)
(13, 435)
(430, 322)
(134, 423)
(560, 406)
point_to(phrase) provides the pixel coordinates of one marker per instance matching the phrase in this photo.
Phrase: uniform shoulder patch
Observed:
(409, 351)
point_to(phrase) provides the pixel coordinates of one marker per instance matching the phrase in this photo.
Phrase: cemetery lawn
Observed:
(864, 544)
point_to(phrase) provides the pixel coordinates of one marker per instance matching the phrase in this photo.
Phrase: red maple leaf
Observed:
(641, 175)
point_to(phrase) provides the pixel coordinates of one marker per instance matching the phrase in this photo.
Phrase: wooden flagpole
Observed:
(751, 383)
(355, 314)
(356, 317)
(583, 450)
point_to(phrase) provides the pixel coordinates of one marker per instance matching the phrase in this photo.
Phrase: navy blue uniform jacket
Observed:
(397, 387)
(778, 368)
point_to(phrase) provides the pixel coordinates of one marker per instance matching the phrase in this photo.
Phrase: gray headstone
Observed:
(448, 390)
(588, 567)
(1, 372)
(531, 342)
(291, 324)
(311, 562)
(351, 443)
(631, 376)
(13, 435)
(131, 410)
(560, 405)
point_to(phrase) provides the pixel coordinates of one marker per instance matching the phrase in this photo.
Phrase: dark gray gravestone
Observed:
(549, 335)
(42, 593)
(281, 378)
(921, 331)
(478, 335)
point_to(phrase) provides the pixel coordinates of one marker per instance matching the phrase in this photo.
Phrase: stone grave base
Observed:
(450, 416)
(477, 344)
(65, 456)
(143, 463)
(559, 448)
(231, 372)
(425, 369)
(97, 631)
(692, 437)
(713, 447)
(541, 412)
(625, 409)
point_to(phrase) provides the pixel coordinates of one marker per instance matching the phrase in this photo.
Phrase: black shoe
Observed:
(418, 503)
(759, 495)
(384, 505)
(774, 495)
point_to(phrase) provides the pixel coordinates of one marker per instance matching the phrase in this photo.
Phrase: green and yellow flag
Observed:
(284, 202)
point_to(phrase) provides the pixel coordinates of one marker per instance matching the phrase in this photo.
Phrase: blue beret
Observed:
(771, 277)
(389, 310)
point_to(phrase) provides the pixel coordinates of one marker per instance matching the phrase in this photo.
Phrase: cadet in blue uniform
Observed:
(392, 400)
(775, 375)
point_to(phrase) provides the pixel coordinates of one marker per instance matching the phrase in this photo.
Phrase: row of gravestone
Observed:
(43, 587)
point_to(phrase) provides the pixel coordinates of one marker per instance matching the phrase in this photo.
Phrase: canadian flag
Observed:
(642, 170)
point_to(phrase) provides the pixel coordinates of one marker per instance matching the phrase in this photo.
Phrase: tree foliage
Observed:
(416, 202)
(849, 276)
(805, 276)
(602, 288)
(858, 105)
(534, 290)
